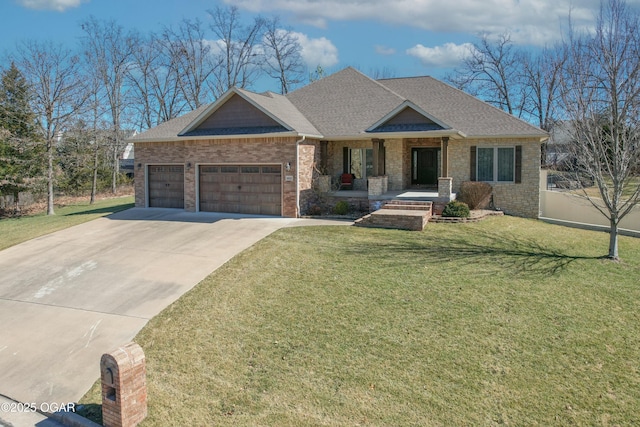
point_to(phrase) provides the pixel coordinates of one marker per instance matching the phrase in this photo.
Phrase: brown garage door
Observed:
(166, 186)
(249, 189)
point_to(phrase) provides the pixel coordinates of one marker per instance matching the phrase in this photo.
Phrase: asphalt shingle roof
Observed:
(282, 108)
(461, 111)
(171, 128)
(347, 103)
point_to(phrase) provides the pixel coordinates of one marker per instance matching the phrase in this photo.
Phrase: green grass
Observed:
(21, 229)
(507, 321)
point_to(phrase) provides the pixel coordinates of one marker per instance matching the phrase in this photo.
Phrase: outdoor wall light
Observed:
(139, 165)
(188, 165)
(287, 166)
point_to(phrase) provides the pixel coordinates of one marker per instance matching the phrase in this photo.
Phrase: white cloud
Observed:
(529, 21)
(59, 5)
(320, 51)
(447, 55)
(384, 50)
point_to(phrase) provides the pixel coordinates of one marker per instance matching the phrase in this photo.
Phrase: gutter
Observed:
(298, 175)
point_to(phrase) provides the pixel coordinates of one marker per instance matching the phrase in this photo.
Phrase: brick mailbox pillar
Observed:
(124, 388)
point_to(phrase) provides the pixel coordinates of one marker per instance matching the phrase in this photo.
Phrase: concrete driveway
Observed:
(68, 297)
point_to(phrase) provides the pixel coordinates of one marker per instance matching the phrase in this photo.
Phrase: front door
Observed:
(424, 166)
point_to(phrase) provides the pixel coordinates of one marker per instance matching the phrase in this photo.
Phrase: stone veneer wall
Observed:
(309, 152)
(521, 199)
(268, 150)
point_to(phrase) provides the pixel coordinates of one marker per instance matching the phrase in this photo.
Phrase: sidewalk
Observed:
(12, 415)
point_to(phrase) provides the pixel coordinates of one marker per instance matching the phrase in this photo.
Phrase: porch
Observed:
(411, 194)
(365, 202)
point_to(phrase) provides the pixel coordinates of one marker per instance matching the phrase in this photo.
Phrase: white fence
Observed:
(565, 208)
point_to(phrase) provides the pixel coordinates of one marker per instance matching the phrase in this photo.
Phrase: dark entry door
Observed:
(424, 166)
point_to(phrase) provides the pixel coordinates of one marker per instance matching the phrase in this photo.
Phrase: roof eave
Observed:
(539, 136)
(241, 136)
(451, 133)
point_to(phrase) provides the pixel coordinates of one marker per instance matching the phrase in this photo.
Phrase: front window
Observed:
(361, 162)
(496, 164)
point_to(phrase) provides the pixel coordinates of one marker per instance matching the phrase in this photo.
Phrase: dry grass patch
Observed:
(507, 321)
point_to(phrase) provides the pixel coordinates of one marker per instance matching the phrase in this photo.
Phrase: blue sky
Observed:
(408, 37)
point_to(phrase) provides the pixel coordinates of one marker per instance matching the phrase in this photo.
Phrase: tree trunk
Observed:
(613, 239)
(94, 182)
(16, 202)
(116, 167)
(50, 178)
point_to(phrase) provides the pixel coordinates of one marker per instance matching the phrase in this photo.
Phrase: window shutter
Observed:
(518, 172)
(345, 159)
(472, 166)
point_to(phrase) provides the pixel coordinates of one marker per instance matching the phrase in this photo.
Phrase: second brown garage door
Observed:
(248, 189)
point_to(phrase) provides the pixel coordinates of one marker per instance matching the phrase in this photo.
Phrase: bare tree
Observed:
(239, 49)
(283, 60)
(95, 112)
(317, 74)
(492, 71)
(58, 94)
(154, 78)
(601, 97)
(382, 73)
(542, 75)
(188, 49)
(109, 52)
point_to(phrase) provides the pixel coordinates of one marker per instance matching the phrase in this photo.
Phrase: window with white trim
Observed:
(496, 164)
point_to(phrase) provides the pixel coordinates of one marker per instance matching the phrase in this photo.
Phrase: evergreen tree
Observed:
(20, 155)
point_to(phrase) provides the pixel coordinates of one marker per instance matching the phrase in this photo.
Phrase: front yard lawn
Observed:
(507, 321)
(20, 229)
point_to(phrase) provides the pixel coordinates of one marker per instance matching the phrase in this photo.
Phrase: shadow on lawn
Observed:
(90, 411)
(105, 210)
(486, 249)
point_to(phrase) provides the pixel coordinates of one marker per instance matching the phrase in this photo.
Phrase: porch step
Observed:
(409, 205)
(399, 219)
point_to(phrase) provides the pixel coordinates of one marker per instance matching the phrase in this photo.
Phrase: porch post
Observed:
(324, 155)
(378, 157)
(445, 156)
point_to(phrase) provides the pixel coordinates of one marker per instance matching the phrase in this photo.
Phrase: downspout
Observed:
(298, 175)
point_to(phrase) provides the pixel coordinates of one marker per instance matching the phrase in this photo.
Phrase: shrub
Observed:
(456, 209)
(341, 208)
(477, 195)
(314, 210)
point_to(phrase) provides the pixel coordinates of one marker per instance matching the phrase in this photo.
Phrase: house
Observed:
(127, 160)
(263, 153)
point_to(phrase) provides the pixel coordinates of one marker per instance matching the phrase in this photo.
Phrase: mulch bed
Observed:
(474, 216)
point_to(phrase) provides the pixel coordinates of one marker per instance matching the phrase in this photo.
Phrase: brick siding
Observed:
(521, 199)
(281, 150)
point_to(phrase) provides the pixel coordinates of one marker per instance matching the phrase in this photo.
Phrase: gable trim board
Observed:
(346, 109)
(400, 108)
